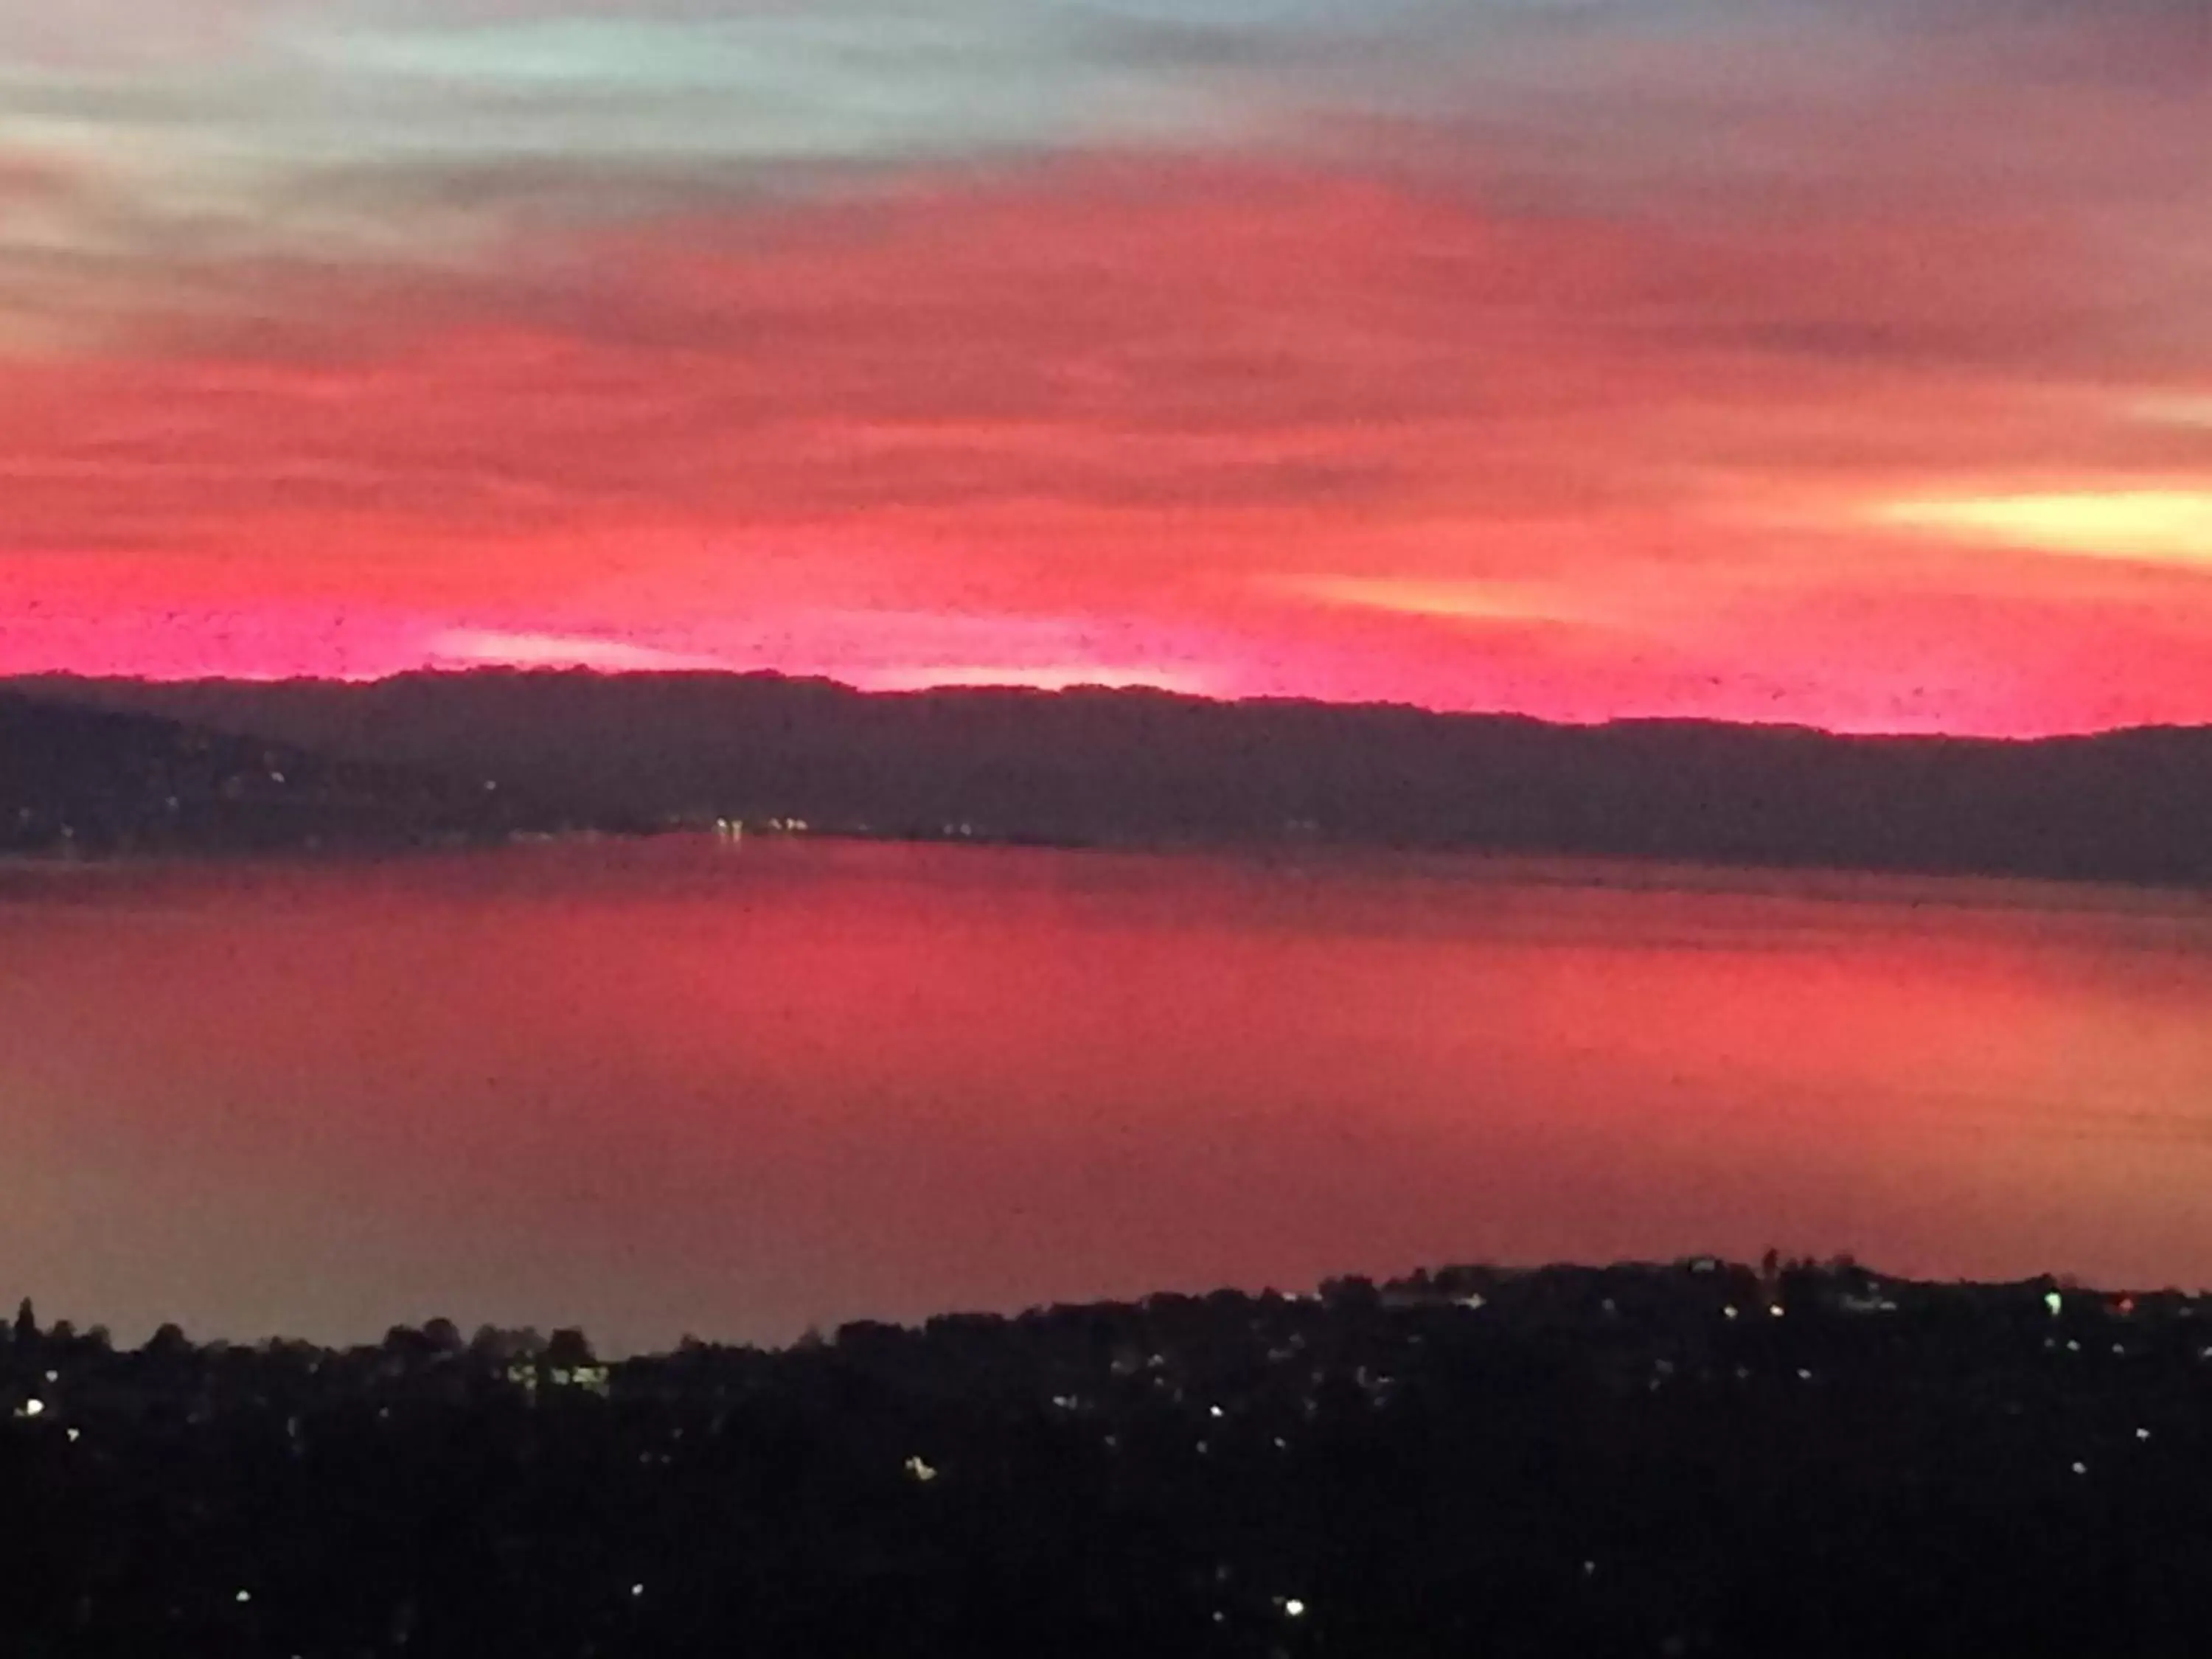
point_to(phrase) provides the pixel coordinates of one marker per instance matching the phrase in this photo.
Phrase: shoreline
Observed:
(1832, 883)
(1837, 1286)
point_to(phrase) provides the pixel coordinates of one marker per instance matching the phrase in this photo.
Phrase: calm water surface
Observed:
(672, 1087)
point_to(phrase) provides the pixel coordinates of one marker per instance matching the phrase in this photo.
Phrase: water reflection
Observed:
(676, 1086)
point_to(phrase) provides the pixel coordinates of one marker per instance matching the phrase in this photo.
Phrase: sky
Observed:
(1841, 363)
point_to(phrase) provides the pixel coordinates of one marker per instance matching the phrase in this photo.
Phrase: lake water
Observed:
(669, 1087)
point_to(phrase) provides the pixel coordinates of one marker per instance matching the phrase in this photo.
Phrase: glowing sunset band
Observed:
(2162, 526)
(1580, 362)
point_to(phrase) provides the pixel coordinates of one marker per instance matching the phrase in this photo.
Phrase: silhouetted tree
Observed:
(26, 1322)
(496, 1347)
(1350, 1293)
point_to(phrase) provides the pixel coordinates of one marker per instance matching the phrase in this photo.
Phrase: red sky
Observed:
(1849, 365)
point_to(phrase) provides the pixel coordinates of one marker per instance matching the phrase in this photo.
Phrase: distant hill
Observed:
(1095, 765)
(77, 779)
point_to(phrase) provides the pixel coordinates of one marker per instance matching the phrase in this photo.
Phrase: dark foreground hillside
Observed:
(1640, 1461)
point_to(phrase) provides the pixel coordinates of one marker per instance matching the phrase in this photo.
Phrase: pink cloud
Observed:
(1211, 421)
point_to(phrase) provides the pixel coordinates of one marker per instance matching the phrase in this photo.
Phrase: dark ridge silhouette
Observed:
(88, 780)
(1092, 765)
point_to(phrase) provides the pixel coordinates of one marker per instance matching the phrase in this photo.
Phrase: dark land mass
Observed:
(85, 781)
(1695, 1458)
(642, 752)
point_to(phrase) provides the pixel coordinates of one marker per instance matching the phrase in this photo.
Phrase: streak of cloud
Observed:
(1558, 349)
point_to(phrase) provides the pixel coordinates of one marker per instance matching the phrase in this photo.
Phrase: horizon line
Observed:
(573, 671)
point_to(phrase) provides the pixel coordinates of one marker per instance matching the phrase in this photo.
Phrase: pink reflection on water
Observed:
(676, 1087)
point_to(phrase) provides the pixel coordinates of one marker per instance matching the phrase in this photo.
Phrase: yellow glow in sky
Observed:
(2175, 412)
(2166, 526)
(1458, 599)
